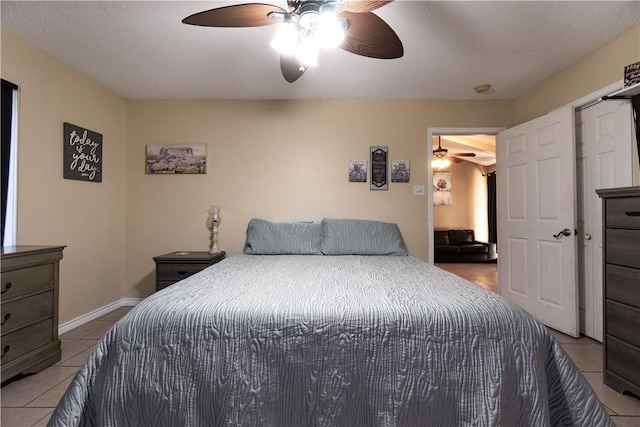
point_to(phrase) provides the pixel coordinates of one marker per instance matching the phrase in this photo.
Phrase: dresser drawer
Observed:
(622, 359)
(27, 339)
(622, 247)
(623, 322)
(24, 311)
(175, 272)
(622, 284)
(623, 212)
(27, 280)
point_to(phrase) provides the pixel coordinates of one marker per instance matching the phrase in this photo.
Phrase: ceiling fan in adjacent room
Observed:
(309, 25)
(442, 158)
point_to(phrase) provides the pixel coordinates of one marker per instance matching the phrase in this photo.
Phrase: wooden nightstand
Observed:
(175, 266)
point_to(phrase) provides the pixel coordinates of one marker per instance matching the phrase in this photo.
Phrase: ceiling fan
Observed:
(442, 158)
(310, 24)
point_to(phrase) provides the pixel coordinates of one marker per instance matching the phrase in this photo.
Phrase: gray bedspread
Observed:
(327, 341)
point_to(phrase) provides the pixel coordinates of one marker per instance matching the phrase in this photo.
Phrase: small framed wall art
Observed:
(442, 188)
(82, 154)
(400, 171)
(357, 171)
(379, 168)
(176, 159)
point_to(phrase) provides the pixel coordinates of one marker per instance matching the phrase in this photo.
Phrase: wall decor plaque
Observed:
(82, 155)
(442, 188)
(357, 171)
(400, 171)
(176, 159)
(379, 168)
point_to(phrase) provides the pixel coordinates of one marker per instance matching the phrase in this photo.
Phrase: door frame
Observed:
(431, 131)
(582, 102)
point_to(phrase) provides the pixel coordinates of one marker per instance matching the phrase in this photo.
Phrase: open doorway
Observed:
(462, 209)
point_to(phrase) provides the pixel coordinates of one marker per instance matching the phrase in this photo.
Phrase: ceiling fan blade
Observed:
(362, 6)
(456, 160)
(239, 15)
(291, 68)
(464, 154)
(368, 35)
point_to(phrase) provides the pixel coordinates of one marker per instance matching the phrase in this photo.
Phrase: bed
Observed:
(329, 324)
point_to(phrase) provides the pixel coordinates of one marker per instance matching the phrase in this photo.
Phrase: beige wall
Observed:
(86, 217)
(278, 160)
(468, 209)
(598, 70)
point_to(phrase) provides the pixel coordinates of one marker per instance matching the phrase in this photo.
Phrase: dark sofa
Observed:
(461, 246)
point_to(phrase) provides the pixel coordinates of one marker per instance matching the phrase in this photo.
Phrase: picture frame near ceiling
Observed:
(176, 159)
(379, 179)
(400, 171)
(82, 154)
(442, 189)
(357, 171)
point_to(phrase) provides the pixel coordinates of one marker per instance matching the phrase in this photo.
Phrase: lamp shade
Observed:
(441, 163)
(308, 51)
(286, 39)
(329, 32)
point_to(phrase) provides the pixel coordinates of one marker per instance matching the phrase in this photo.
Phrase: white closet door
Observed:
(604, 159)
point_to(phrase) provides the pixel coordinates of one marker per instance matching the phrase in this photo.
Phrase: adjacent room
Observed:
(358, 213)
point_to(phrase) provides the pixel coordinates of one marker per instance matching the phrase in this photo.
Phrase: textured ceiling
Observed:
(141, 50)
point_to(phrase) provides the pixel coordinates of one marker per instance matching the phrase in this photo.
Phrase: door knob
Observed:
(565, 232)
(587, 237)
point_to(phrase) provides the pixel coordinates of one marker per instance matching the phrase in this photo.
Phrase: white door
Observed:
(604, 160)
(536, 203)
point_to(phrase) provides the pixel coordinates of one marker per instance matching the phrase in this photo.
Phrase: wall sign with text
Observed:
(82, 154)
(379, 168)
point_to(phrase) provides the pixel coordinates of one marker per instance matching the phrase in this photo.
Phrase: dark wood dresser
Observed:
(29, 314)
(621, 249)
(175, 266)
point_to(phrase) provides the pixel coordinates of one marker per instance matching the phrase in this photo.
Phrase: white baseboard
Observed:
(85, 318)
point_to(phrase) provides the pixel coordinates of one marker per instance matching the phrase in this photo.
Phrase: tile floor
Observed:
(29, 401)
(585, 352)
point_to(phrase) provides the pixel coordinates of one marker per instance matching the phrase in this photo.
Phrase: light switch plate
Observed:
(418, 190)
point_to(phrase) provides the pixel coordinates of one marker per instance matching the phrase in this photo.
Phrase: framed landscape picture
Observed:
(176, 159)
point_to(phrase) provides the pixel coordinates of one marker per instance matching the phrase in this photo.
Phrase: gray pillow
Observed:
(280, 238)
(361, 237)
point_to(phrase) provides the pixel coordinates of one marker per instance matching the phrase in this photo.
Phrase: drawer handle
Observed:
(182, 273)
(5, 350)
(6, 317)
(6, 287)
(632, 213)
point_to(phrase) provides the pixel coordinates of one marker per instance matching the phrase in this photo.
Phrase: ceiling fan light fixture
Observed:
(330, 31)
(440, 163)
(286, 39)
(307, 25)
(307, 52)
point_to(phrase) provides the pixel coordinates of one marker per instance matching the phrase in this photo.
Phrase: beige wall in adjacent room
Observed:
(87, 217)
(278, 160)
(598, 70)
(468, 209)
